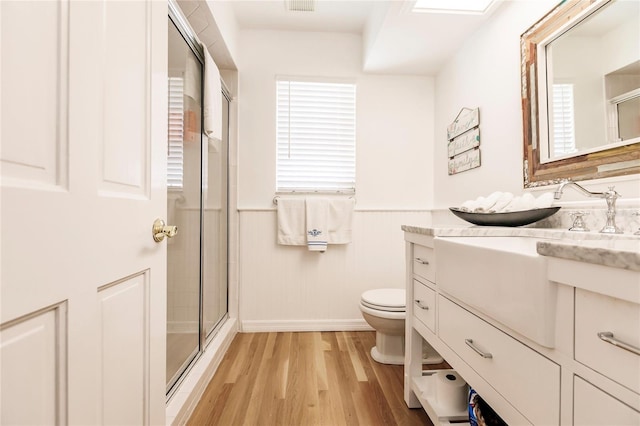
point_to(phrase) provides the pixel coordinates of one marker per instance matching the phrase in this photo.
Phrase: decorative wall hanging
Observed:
(463, 148)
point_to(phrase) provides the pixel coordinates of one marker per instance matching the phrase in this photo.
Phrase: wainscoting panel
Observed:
(290, 288)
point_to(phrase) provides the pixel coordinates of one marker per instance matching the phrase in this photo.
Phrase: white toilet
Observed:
(384, 310)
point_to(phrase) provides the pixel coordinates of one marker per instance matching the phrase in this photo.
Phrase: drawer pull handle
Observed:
(420, 305)
(469, 343)
(422, 261)
(607, 336)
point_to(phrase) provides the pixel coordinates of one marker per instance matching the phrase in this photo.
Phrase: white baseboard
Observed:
(184, 400)
(254, 326)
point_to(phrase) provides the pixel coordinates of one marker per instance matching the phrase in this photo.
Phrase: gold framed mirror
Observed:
(572, 105)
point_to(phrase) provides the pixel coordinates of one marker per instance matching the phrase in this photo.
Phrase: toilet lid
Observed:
(385, 299)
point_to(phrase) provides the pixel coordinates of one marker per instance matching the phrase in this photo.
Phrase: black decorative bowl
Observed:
(519, 218)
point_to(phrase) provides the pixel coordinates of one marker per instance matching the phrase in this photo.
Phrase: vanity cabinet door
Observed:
(596, 313)
(592, 406)
(424, 304)
(424, 262)
(528, 380)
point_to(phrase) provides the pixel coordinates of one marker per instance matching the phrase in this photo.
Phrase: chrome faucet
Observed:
(610, 197)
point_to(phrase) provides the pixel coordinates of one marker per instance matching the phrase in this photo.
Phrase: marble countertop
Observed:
(618, 251)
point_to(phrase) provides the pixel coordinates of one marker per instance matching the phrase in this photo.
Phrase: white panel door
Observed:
(82, 168)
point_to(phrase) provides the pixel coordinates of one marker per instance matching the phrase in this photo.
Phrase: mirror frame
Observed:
(610, 162)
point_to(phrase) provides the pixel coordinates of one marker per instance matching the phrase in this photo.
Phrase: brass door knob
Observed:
(161, 229)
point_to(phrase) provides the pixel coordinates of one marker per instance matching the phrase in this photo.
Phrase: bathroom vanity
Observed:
(544, 324)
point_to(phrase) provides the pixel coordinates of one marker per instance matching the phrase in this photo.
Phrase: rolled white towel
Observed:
(528, 201)
(523, 202)
(499, 201)
(512, 205)
(544, 201)
(469, 205)
(502, 202)
(474, 206)
(486, 204)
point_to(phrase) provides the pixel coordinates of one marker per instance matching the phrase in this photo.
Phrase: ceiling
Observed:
(328, 16)
(395, 40)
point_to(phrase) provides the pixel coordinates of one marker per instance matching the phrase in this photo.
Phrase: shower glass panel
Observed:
(197, 202)
(184, 194)
(214, 256)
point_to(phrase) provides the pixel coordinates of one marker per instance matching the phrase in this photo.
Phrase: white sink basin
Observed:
(502, 277)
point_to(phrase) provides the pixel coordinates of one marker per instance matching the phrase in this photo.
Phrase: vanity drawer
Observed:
(597, 313)
(592, 406)
(424, 304)
(424, 263)
(530, 381)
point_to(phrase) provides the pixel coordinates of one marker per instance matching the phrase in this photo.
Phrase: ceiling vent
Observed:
(300, 5)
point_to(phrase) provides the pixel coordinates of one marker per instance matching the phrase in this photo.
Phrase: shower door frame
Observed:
(176, 17)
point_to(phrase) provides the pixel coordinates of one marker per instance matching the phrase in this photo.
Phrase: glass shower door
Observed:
(214, 256)
(184, 194)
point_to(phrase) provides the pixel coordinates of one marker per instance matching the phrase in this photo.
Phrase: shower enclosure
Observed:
(196, 204)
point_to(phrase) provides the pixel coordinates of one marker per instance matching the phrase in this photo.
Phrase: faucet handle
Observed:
(612, 192)
(578, 222)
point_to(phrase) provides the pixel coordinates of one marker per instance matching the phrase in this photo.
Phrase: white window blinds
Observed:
(564, 137)
(176, 133)
(316, 136)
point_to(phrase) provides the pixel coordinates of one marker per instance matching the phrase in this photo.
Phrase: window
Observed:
(564, 134)
(176, 133)
(316, 136)
(452, 6)
(624, 117)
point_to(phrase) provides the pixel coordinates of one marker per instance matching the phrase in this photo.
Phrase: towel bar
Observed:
(275, 199)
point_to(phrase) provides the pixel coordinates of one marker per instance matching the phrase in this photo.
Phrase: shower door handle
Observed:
(161, 230)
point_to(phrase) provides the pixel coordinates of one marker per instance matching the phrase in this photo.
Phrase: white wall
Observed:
(401, 162)
(394, 148)
(226, 24)
(394, 118)
(485, 73)
(290, 288)
(626, 41)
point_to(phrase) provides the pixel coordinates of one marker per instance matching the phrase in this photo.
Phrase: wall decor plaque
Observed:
(463, 147)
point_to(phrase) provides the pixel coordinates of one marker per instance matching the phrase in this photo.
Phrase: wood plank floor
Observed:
(311, 378)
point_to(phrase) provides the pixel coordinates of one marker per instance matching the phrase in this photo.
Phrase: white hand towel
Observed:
(212, 102)
(192, 78)
(317, 220)
(340, 220)
(291, 221)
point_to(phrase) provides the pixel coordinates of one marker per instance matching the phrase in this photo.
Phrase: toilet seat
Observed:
(385, 299)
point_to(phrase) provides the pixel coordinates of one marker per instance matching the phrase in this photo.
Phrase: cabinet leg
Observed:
(412, 400)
